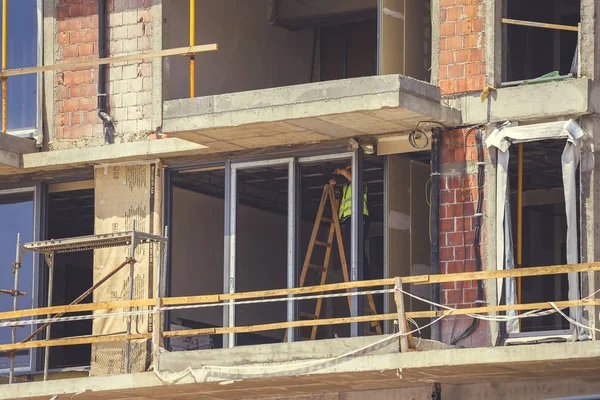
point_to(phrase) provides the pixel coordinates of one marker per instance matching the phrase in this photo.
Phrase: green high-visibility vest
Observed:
(346, 203)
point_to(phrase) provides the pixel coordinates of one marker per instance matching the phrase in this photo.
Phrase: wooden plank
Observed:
(499, 274)
(70, 186)
(74, 341)
(418, 280)
(539, 25)
(284, 325)
(399, 297)
(280, 325)
(110, 60)
(517, 307)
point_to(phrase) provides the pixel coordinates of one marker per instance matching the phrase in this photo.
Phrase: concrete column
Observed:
(590, 214)
(589, 42)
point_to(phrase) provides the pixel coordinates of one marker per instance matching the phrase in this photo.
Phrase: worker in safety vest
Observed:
(345, 215)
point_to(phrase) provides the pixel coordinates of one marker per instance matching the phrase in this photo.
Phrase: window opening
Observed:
(71, 214)
(540, 40)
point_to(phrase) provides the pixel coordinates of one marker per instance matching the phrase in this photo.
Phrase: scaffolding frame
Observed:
(49, 248)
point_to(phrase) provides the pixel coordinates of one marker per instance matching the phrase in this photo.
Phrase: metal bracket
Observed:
(49, 260)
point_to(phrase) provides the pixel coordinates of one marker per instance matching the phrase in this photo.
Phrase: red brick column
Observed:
(459, 197)
(129, 86)
(462, 51)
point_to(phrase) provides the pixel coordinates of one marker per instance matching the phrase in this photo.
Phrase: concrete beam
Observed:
(361, 371)
(13, 147)
(134, 151)
(567, 98)
(302, 14)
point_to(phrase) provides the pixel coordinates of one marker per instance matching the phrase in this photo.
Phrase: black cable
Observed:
(477, 233)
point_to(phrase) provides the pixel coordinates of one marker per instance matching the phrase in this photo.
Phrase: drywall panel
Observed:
(254, 53)
(393, 36)
(416, 43)
(420, 241)
(398, 219)
(124, 194)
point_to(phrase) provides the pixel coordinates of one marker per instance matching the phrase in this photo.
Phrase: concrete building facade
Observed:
(422, 99)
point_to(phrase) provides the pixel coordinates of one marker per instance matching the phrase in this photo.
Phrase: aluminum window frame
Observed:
(36, 132)
(231, 167)
(37, 272)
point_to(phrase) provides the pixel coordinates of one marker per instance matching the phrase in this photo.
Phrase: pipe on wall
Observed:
(102, 95)
(436, 331)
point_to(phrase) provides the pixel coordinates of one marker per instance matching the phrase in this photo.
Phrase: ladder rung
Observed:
(308, 315)
(325, 219)
(320, 243)
(313, 266)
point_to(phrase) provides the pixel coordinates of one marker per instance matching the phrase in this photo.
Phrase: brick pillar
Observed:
(130, 84)
(462, 49)
(457, 231)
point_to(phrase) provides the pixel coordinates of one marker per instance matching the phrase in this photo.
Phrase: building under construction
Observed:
(314, 199)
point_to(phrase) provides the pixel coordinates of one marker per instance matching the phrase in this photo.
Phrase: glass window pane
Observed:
(16, 214)
(21, 53)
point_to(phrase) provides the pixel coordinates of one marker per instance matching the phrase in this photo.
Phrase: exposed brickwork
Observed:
(457, 231)
(129, 84)
(462, 53)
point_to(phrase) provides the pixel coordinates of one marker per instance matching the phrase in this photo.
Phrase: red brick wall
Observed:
(459, 197)
(462, 52)
(130, 84)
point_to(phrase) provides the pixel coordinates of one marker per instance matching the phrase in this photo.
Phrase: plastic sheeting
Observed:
(502, 139)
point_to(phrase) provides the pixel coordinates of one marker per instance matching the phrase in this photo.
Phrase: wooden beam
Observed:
(539, 25)
(110, 60)
(284, 325)
(417, 280)
(516, 307)
(74, 341)
(399, 298)
(499, 274)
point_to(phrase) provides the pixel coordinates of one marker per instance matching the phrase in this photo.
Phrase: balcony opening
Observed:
(274, 43)
(71, 214)
(546, 52)
(544, 229)
(197, 221)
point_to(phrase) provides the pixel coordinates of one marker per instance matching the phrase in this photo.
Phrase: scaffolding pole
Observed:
(131, 276)
(192, 44)
(4, 63)
(51, 247)
(16, 268)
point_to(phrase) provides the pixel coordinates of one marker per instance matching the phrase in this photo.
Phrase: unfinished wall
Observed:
(253, 53)
(462, 65)
(76, 34)
(457, 231)
(197, 257)
(124, 194)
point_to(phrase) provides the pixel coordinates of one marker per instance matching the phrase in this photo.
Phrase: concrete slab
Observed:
(12, 149)
(116, 153)
(195, 374)
(563, 99)
(314, 112)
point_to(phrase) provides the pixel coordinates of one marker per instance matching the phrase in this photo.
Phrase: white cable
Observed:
(184, 307)
(571, 320)
(296, 369)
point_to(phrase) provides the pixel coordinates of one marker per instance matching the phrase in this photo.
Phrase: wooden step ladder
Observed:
(334, 230)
